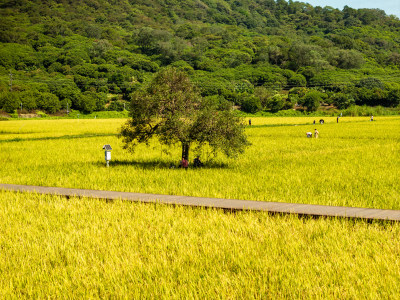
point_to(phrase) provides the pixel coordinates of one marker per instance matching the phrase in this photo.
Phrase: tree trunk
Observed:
(185, 151)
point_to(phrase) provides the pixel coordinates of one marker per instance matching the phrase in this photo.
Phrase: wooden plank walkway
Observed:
(227, 204)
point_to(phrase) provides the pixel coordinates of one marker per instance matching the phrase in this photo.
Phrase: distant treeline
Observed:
(260, 54)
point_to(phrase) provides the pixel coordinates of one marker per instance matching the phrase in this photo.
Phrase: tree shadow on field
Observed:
(276, 125)
(63, 137)
(161, 164)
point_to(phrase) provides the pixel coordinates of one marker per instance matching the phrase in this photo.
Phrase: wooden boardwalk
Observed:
(226, 204)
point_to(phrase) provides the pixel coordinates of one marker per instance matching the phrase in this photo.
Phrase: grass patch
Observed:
(353, 163)
(84, 248)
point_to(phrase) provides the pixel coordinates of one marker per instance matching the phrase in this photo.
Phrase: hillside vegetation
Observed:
(260, 54)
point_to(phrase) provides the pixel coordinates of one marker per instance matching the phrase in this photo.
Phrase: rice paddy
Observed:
(53, 247)
(353, 163)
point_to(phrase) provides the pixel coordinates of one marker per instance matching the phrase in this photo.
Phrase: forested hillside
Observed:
(260, 54)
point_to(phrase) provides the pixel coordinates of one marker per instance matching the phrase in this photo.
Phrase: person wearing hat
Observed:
(316, 133)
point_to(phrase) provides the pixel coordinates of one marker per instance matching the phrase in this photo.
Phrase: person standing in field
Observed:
(249, 122)
(337, 120)
(372, 118)
(316, 133)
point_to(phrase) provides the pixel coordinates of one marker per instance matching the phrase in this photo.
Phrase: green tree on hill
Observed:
(171, 109)
(311, 100)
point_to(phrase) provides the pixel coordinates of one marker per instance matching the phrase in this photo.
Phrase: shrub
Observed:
(9, 101)
(49, 102)
(276, 103)
(28, 99)
(297, 80)
(342, 101)
(251, 104)
(370, 83)
(116, 106)
(393, 97)
(311, 100)
(41, 114)
(349, 59)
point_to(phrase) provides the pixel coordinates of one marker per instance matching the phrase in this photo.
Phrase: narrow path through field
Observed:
(228, 204)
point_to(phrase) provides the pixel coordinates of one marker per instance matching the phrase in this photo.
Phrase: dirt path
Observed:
(226, 204)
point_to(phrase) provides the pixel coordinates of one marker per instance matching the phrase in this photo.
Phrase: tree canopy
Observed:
(171, 109)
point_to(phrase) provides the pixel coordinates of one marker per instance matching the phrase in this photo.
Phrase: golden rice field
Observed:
(352, 163)
(53, 247)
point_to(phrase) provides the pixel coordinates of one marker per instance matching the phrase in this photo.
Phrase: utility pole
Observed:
(11, 79)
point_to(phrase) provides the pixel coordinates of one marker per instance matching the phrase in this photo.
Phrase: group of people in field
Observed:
(316, 132)
(184, 163)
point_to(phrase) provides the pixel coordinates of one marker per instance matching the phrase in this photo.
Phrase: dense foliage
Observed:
(260, 54)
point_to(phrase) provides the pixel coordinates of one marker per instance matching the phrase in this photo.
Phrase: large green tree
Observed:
(311, 100)
(171, 109)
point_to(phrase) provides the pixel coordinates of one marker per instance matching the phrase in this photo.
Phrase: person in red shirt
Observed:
(184, 163)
